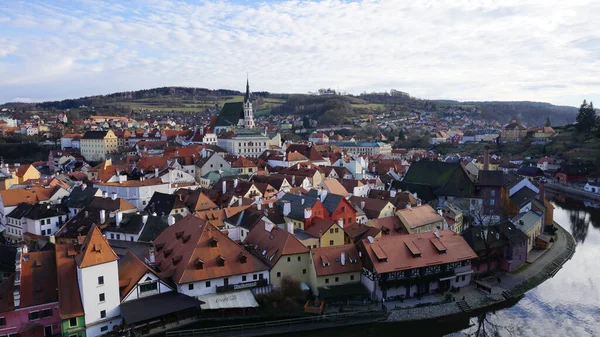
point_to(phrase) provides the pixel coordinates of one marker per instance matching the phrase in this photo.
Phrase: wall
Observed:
(336, 237)
(344, 278)
(135, 292)
(77, 330)
(294, 268)
(16, 320)
(200, 287)
(90, 289)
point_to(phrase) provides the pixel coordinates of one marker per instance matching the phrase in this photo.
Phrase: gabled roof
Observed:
(526, 221)
(163, 203)
(298, 204)
(491, 178)
(328, 260)
(30, 196)
(319, 226)
(39, 282)
(331, 202)
(189, 251)
(80, 197)
(418, 216)
(374, 206)
(95, 135)
(20, 211)
(95, 250)
(274, 244)
(523, 196)
(334, 186)
(69, 298)
(110, 205)
(247, 218)
(131, 271)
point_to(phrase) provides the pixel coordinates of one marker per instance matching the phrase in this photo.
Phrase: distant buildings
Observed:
(95, 145)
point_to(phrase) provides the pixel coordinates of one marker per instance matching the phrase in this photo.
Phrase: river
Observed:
(566, 305)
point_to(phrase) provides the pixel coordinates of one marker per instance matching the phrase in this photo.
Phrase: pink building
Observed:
(29, 298)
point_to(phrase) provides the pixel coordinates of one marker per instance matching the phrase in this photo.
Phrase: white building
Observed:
(137, 192)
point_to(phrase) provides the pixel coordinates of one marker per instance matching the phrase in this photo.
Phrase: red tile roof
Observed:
(69, 299)
(95, 250)
(394, 253)
(39, 282)
(328, 260)
(131, 270)
(188, 252)
(275, 244)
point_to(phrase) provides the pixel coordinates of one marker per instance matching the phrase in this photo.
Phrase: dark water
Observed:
(566, 305)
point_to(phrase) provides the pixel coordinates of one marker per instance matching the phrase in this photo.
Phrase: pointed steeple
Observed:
(247, 97)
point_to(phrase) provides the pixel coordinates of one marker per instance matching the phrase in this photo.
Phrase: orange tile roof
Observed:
(185, 253)
(394, 253)
(319, 227)
(69, 299)
(334, 186)
(328, 260)
(275, 244)
(30, 196)
(131, 270)
(418, 216)
(22, 169)
(95, 250)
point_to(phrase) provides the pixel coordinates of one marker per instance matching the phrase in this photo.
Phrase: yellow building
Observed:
(95, 145)
(329, 233)
(281, 251)
(337, 267)
(529, 223)
(16, 174)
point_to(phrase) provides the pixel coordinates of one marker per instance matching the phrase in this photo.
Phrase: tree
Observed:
(586, 118)
(548, 121)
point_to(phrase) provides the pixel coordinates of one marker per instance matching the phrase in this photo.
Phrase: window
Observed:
(260, 276)
(207, 284)
(299, 258)
(337, 279)
(46, 313)
(331, 231)
(304, 271)
(351, 277)
(104, 328)
(289, 259)
(254, 277)
(457, 279)
(278, 274)
(103, 314)
(101, 297)
(34, 315)
(492, 202)
(191, 286)
(42, 222)
(331, 242)
(73, 322)
(118, 236)
(112, 236)
(2, 321)
(326, 280)
(463, 277)
(100, 280)
(150, 286)
(337, 230)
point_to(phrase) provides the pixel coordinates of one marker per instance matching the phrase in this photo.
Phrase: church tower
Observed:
(248, 114)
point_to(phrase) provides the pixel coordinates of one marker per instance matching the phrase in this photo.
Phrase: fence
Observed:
(240, 328)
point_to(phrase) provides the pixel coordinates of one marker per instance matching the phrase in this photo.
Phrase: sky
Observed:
(436, 49)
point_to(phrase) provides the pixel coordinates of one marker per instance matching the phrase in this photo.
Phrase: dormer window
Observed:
(199, 264)
(160, 246)
(178, 235)
(213, 242)
(168, 252)
(243, 258)
(221, 261)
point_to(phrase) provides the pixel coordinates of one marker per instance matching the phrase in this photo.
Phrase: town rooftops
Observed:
(335, 260)
(69, 299)
(134, 183)
(192, 250)
(404, 252)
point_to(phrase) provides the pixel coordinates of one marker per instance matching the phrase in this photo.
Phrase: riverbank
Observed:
(512, 287)
(572, 191)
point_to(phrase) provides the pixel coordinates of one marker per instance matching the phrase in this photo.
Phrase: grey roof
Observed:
(156, 306)
(95, 135)
(526, 221)
(7, 258)
(491, 178)
(297, 206)
(79, 198)
(523, 195)
(20, 211)
(230, 114)
(43, 211)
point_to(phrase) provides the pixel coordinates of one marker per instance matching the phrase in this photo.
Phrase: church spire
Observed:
(247, 97)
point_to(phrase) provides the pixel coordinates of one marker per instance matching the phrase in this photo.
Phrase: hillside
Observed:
(327, 109)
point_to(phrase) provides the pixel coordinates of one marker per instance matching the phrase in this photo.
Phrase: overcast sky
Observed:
(441, 49)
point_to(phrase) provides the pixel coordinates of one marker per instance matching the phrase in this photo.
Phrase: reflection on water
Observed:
(569, 303)
(566, 305)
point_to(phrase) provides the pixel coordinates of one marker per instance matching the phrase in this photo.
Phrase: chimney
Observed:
(235, 182)
(86, 214)
(343, 259)
(144, 218)
(171, 220)
(392, 193)
(542, 194)
(240, 201)
(224, 184)
(102, 216)
(486, 158)
(156, 172)
(307, 213)
(290, 227)
(302, 202)
(340, 222)
(122, 178)
(298, 166)
(323, 195)
(119, 218)
(270, 205)
(151, 255)
(287, 208)
(440, 213)
(114, 195)
(105, 194)
(259, 206)
(362, 204)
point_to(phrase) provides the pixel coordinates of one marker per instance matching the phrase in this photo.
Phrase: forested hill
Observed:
(326, 106)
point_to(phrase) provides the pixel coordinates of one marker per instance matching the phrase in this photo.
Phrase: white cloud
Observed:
(467, 50)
